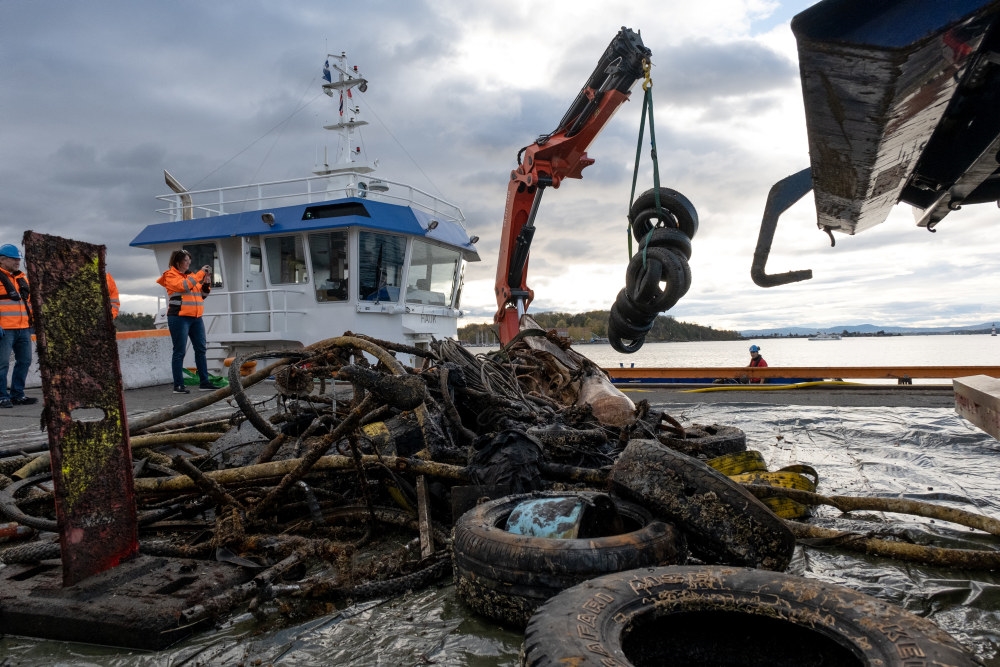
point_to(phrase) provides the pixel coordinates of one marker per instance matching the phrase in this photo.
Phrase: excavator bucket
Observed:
(902, 101)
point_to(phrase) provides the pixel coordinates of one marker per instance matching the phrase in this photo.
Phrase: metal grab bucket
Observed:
(878, 78)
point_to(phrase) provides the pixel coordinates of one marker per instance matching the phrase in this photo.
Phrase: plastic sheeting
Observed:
(929, 454)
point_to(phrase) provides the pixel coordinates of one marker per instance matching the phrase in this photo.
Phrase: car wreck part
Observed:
(901, 101)
(688, 615)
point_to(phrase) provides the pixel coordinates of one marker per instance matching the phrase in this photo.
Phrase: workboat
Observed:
(302, 260)
(825, 336)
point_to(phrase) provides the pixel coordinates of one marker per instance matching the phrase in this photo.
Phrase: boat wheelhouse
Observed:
(302, 260)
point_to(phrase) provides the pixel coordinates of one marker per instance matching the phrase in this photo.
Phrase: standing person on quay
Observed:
(756, 361)
(15, 327)
(185, 305)
(116, 302)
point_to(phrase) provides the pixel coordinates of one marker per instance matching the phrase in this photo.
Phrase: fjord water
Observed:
(943, 350)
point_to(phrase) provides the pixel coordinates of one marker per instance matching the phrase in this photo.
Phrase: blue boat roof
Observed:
(331, 214)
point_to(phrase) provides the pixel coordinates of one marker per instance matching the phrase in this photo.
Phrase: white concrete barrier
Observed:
(144, 358)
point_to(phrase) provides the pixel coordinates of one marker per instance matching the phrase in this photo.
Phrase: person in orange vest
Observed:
(186, 291)
(15, 327)
(116, 302)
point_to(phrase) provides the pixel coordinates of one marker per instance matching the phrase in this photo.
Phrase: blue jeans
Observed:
(18, 341)
(181, 328)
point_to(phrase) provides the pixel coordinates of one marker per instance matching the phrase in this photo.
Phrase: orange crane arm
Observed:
(550, 159)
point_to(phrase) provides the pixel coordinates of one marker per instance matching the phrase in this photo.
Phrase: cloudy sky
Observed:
(99, 97)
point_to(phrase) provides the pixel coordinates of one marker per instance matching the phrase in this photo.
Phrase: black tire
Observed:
(668, 237)
(709, 616)
(627, 328)
(505, 576)
(623, 344)
(647, 270)
(724, 523)
(707, 441)
(680, 213)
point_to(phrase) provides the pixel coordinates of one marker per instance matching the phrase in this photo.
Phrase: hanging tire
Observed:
(707, 616)
(647, 270)
(707, 441)
(505, 576)
(668, 237)
(723, 522)
(678, 211)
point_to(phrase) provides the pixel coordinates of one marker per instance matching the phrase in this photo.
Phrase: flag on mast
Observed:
(326, 71)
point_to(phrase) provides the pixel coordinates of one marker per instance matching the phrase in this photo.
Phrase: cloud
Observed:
(101, 97)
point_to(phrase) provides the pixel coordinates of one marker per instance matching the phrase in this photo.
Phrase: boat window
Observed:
(328, 252)
(335, 211)
(206, 253)
(286, 262)
(432, 274)
(380, 266)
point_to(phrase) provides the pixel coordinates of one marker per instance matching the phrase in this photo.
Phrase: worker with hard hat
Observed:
(15, 327)
(756, 361)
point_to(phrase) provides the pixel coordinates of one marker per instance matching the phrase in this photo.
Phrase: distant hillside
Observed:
(865, 330)
(594, 324)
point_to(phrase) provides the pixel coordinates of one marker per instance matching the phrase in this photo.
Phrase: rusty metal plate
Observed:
(78, 360)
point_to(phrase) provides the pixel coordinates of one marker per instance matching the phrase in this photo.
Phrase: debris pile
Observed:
(361, 477)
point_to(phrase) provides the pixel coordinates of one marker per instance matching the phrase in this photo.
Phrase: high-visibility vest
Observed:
(15, 310)
(116, 302)
(185, 292)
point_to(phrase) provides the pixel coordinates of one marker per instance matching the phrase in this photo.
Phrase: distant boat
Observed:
(825, 336)
(993, 331)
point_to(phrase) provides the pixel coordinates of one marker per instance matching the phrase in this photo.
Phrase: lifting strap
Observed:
(647, 103)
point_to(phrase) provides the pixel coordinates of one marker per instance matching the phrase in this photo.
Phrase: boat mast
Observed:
(339, 81)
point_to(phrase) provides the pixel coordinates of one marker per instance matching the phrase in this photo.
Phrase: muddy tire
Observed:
(707, 441)
(701, 616)
(505, 576)
(724, 523)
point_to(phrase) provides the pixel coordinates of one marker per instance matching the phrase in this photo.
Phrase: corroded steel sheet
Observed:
(78, 359)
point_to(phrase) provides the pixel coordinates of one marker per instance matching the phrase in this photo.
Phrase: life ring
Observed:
(505, 576)
(723, 522)
(689, 615)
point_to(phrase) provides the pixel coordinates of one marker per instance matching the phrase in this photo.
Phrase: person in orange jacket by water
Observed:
(186, 291)
(756, 361)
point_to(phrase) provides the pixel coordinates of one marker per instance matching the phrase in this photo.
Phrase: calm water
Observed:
(981, 350)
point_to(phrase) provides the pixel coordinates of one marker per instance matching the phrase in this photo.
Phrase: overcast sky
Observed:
(99, 97)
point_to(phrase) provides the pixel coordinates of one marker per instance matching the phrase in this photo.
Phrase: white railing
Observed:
(220, 308)
(254, 197)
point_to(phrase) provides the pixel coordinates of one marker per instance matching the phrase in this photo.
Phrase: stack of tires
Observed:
(663, 221)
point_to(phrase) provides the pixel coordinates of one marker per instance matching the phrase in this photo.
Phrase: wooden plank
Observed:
(828, 372)
(424, 516)
(977, 398)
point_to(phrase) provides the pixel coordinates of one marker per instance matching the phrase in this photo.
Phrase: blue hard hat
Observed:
(9, 250)
(754, 348)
